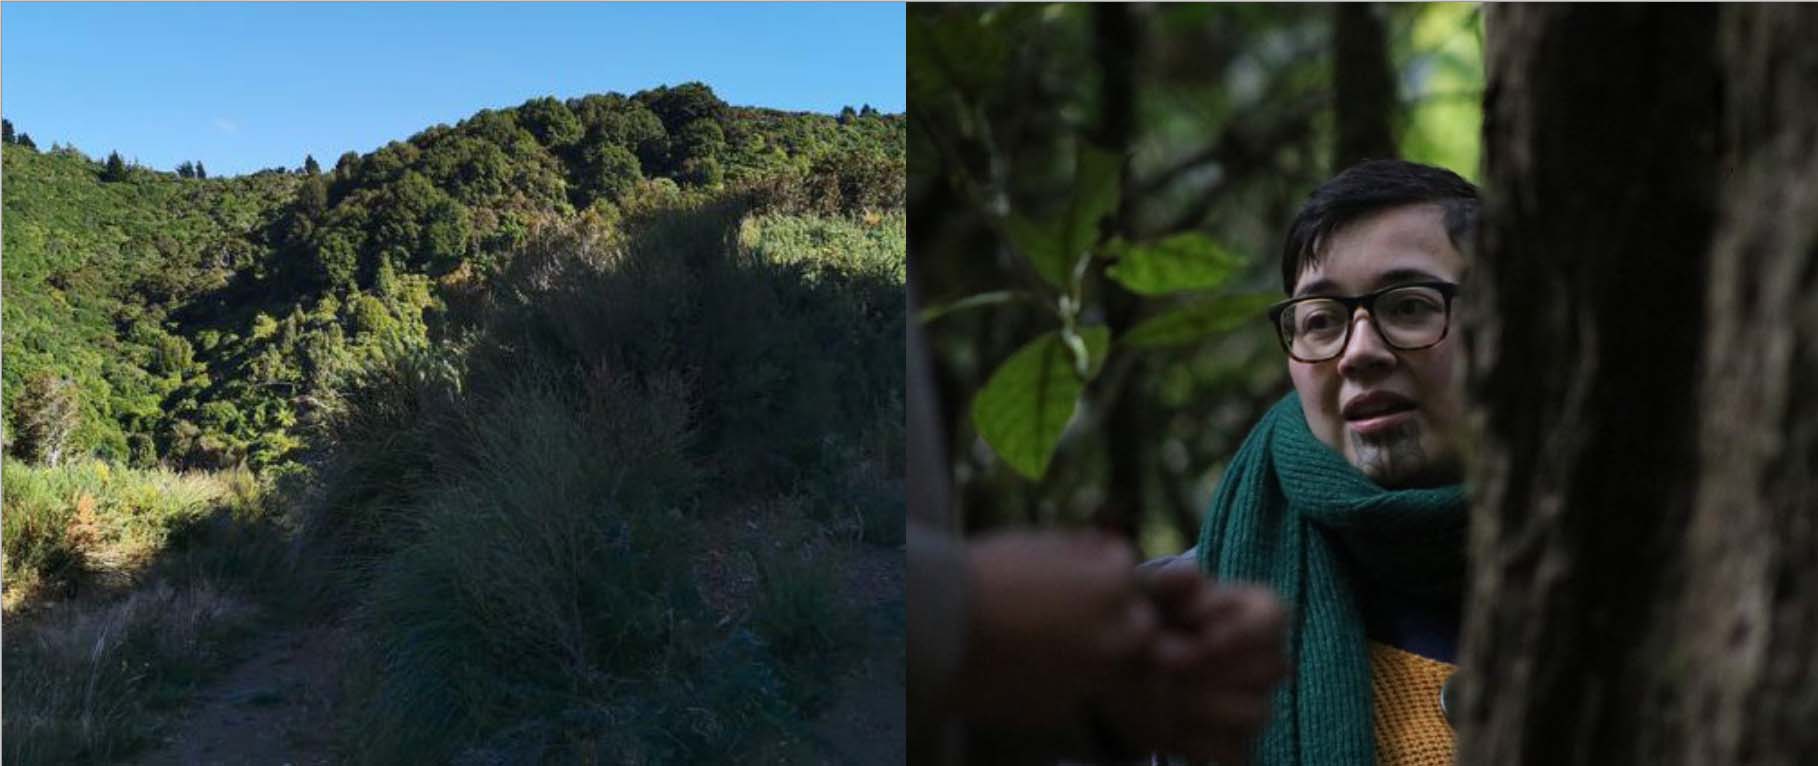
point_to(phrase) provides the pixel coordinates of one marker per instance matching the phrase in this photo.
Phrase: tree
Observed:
(337, 263)
(699, 140)
(447, 225)
(684, 104)
(45, 417)
(705, 172)
(347, 166)
(1363, 85)
(550, 121)
(115, 170)
(1642, 535)
(306, 211)
(632, 125)
(608, 171)
(6, 131)
(309, 165)
(25, 140)
(201, 172)
(312, 197)
(186, 169)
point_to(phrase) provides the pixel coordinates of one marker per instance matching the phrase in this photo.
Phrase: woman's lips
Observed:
(1376, 425)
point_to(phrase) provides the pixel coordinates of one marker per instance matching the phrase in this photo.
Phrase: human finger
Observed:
(1176, 582)
(1245, 618)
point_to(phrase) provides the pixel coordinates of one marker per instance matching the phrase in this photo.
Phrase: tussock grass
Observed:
(80, 679)
(526, 518)
(805, 620)
(88, 520)
(125, 589)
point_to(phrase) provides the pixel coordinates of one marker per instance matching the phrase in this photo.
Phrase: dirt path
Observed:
(274, 709)
(865, 724)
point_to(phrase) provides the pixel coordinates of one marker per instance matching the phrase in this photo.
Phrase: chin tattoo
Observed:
(1392, 457)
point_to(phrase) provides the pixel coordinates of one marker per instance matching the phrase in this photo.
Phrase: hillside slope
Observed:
(199, 319)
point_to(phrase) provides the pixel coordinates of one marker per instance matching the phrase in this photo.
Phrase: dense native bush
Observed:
(88, 259)
(533, 364)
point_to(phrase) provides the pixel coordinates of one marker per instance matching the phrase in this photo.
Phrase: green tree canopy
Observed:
(115, 169)
(550, 121)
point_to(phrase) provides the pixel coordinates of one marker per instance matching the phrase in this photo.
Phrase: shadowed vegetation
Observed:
(571, 412)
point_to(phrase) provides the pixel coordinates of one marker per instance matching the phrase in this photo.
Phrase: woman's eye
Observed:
(1317, 321)
(1412, 307)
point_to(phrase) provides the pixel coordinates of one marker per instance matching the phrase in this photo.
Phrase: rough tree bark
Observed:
(1643, 342)
(1363, 85)
(1751, 612)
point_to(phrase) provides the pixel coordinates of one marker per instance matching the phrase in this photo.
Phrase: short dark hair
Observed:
(1366, 188)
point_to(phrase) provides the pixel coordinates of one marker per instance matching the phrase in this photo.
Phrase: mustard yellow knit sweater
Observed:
(1410, 729)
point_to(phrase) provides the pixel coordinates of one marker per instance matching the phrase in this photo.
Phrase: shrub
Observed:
(546, 571)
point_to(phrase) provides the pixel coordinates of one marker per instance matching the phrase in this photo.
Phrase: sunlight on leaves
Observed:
(1189, 261)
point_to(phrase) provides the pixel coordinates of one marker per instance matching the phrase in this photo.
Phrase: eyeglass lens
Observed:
(1408, 317)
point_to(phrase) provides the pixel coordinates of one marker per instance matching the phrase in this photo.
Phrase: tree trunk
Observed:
(1751, 610)
(1116, 33)
(1641, 333)
(1363, 84)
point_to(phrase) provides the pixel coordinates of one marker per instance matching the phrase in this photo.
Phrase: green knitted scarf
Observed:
(1292, 513)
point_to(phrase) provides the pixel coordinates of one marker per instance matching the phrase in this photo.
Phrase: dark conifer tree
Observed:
(25, 140)
(309, 165)
(6, 131)
(201, 172)
(116, 168)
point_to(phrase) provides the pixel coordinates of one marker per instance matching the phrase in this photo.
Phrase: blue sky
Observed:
(246, 86)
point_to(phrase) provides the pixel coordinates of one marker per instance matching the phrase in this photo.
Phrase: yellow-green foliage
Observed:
(181, 556)
(871, 246)
(88, 516)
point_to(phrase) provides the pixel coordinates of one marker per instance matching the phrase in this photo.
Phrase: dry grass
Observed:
(82, 676)
(122, 593)
(91, 523)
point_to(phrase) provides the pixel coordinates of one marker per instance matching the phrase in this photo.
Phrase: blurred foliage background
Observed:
(1218, 120)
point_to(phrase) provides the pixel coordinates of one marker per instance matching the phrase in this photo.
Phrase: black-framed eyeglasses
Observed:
(1408, 317)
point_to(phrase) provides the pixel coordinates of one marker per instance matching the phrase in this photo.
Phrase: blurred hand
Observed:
(1211, 669)
(1055, 619)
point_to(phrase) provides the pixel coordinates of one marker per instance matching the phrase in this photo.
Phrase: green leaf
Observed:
(1197, 321)
(1041, 244)
(1025, 406)
(969, 302)
(1095, 193)
(1189, 261)
(1059, 249)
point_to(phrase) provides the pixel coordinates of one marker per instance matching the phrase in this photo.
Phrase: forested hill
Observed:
(168, 317)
